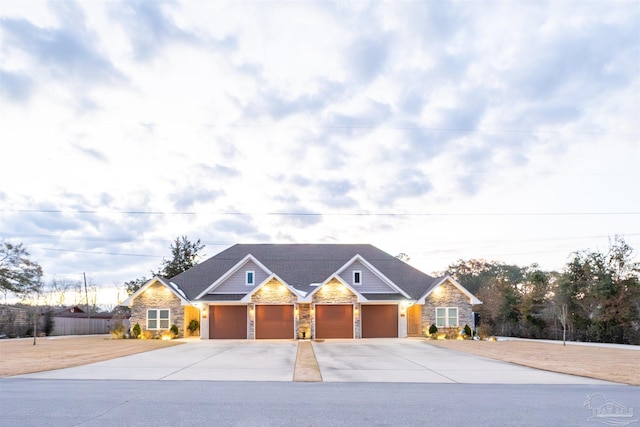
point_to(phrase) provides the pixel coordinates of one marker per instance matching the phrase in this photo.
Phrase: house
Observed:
(286, 291)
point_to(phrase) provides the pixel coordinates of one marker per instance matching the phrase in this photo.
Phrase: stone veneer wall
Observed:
(304, 320)
(273, 292)
(334, 292)
(448, 296)
(157, 296)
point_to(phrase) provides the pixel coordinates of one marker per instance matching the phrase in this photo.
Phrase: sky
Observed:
(445, 130)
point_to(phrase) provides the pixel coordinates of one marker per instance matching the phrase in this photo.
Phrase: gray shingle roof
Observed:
(300, 265)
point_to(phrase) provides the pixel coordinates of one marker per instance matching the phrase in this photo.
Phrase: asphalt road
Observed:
(40, 402)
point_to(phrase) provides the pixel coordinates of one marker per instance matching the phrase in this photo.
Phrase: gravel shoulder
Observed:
(610, 364)
(20, 356)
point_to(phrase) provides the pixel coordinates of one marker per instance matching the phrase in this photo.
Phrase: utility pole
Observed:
(86, 294)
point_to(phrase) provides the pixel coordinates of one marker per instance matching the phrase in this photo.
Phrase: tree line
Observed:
(599, 292)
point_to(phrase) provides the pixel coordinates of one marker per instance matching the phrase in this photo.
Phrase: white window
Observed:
(447, 317)
(357, 277)
(251, 278)
(158, 318)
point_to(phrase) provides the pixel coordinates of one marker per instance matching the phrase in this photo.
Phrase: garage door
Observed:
(380, 321)
(274, 322)
(334, 321)
(228, 322)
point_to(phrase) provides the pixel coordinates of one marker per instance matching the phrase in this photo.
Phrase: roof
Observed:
(301, 265)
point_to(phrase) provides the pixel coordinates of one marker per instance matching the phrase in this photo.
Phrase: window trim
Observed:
(447, 318)
(251, 273)
(359, 274)
(159, 319)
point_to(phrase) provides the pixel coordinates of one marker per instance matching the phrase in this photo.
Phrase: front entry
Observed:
(380, 321)
(228, 322)
(334, 321)
(274, 322)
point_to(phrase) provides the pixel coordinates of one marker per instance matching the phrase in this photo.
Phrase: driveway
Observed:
(370, 360)
(393, 360)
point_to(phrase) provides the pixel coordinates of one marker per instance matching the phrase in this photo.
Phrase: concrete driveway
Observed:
(212, 360)
(393, 360)
(370, 360)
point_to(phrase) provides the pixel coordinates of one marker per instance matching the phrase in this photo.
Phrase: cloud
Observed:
(149, 26)
(186, 198)
(367, 58)
(405, 183)
(278, 104)
(15, 87)
(66, 54)
(91, 153)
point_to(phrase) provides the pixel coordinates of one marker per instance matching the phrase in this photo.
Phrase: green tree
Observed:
(535, 291)
(185, 255)
(133, 285)
(18, 274)
(602, 293)
(496, 285)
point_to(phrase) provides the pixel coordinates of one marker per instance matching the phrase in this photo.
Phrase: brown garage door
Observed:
(274, 322)
(380, 321)
(334, 321)
(227, 321)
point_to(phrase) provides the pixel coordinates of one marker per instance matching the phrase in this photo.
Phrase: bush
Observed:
(49, 322)
(118, 331)
(136, 331)
(467, 331)
(174, 330)
(432, 329)
(194, 325)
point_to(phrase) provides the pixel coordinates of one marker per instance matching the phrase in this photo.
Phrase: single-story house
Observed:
(287, 291)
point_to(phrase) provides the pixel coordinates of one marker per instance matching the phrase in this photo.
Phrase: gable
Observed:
(235, 283)
(159, 286)
(448, 288)
(335, 292)
(370, 282)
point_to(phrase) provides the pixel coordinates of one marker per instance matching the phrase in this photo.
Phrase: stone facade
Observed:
(274, 292)
(334, 292)
(446, 295)
(304, 321)
(158, 296)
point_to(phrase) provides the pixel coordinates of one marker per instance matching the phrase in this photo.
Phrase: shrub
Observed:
(467, 331)
(174, 330)
(146, 335)
(432, 329)
(118, 331)
(136, 331)
(49, 322)
(194, 325)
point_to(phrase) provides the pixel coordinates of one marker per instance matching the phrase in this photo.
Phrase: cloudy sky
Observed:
(445, 130)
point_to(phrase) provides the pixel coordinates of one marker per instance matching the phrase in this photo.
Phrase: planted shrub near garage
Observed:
(433, 329)
(174, 330)
(136, 331)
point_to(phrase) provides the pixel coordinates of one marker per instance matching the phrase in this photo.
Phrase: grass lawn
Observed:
(20, 356)
(610, 364)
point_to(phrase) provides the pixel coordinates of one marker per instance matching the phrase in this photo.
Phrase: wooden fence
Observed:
(82, 326)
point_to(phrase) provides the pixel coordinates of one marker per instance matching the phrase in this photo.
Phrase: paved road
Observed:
(35, 402)
(371, 360)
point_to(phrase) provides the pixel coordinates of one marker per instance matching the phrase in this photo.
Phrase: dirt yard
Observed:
(609, 364)
(20, 356)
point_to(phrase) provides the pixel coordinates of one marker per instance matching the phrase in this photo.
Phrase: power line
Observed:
(330, 214)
